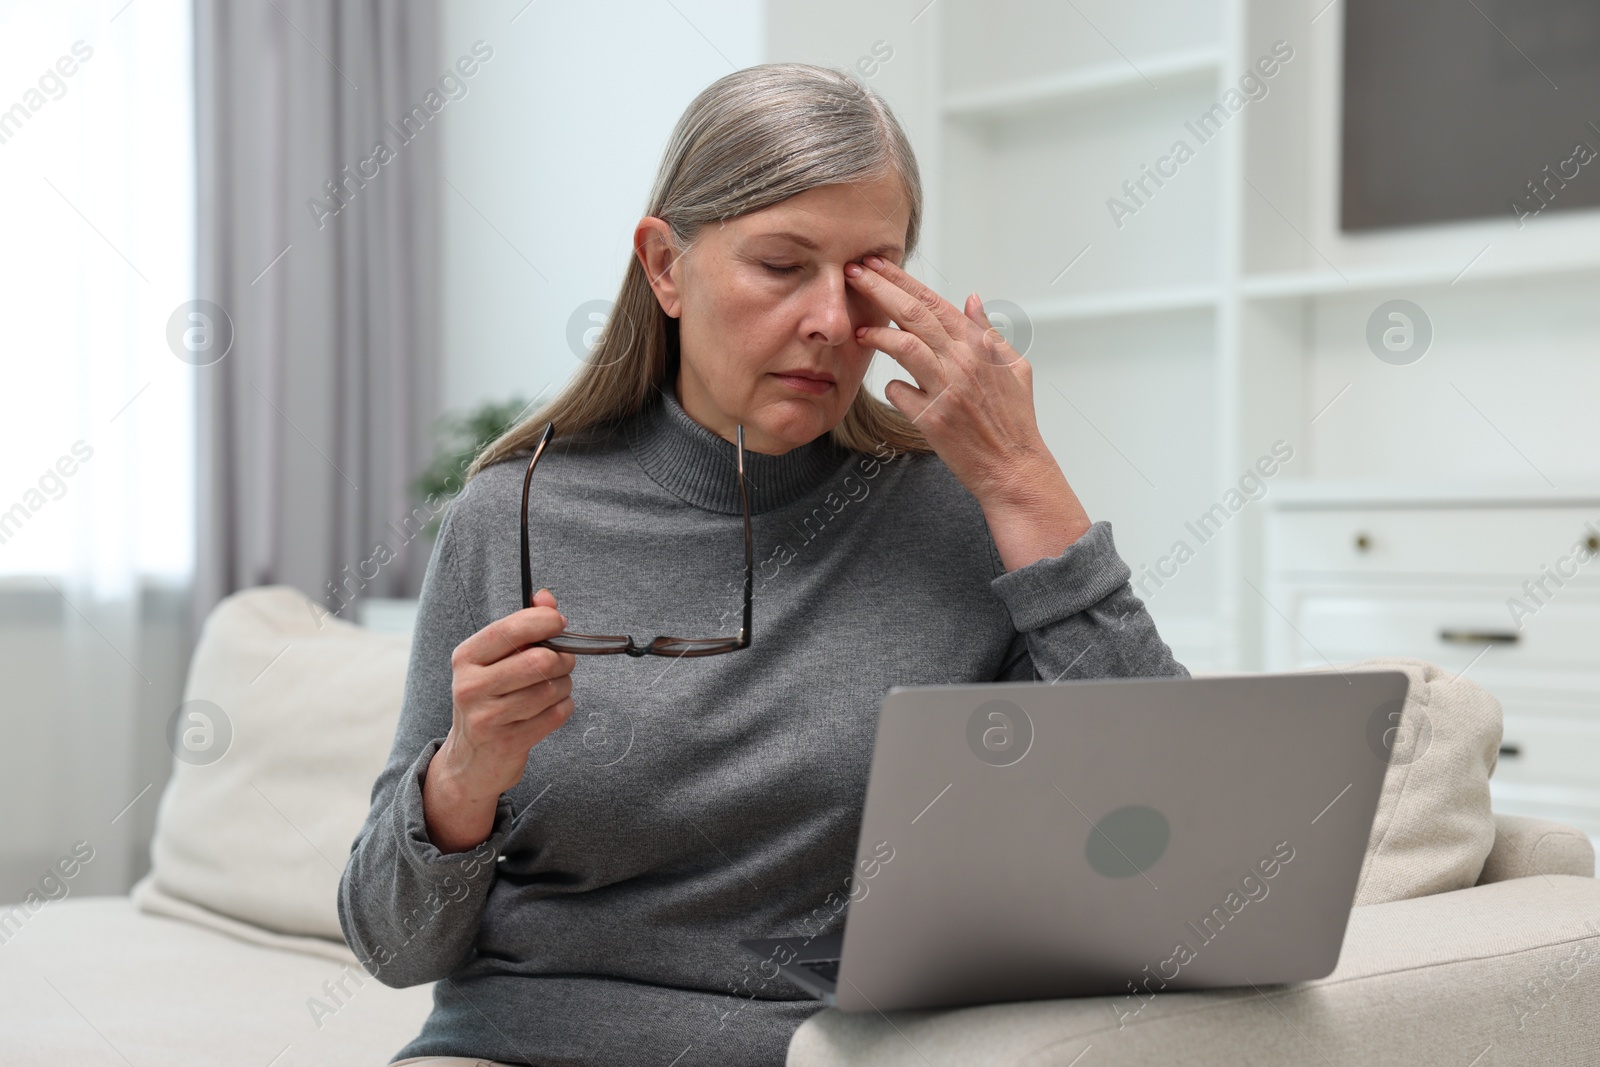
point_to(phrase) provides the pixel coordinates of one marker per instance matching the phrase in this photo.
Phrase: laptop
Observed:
(1116, 837)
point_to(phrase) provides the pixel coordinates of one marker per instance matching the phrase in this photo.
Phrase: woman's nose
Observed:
(828, 312)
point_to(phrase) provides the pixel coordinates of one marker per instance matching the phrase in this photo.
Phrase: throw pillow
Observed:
(287, 719)
(1434, 827)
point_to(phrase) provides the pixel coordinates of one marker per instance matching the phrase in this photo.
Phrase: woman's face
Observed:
(766, 323)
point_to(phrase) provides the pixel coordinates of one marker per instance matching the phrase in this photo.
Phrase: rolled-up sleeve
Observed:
(1078, 616)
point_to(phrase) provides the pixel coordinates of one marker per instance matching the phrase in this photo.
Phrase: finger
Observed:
(541, 719)
(544, 598)
(528, 669)
(910, 401)
(505, 636)
(912, 314)
(975, 312)
(993, 344)
(911, 352)
(949, 318)
(906, 349)
(530, 699)
(550, 719)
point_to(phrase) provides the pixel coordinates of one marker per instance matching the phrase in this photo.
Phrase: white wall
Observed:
(551, 155)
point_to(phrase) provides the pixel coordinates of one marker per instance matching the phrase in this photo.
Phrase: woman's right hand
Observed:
(507, 698)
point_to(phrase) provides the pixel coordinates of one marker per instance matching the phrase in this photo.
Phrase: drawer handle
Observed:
(1479, 637)
(1511, 749)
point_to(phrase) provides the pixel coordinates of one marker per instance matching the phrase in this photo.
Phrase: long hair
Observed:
(749, 140)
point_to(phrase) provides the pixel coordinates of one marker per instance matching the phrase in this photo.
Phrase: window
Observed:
(97, 253)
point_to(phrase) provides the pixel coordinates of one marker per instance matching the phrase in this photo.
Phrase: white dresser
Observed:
(1504, 588)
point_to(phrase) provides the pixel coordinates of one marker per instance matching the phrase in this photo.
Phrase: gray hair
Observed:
(749, 140)
(761, 135)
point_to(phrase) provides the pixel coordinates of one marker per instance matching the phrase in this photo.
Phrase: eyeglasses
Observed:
(605, 644)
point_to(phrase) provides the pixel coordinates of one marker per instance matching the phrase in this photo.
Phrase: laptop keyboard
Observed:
(827, 970)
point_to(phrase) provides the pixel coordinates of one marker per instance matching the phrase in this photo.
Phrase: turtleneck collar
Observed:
(696, 465)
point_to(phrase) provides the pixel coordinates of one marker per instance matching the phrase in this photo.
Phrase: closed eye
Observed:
(777, 268)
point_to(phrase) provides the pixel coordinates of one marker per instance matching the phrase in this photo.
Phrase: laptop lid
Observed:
(1111, 836)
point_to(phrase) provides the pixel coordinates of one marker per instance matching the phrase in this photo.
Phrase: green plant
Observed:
(460, 437)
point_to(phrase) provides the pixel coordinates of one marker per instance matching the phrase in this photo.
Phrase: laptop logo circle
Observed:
(1128, 841)
(999, 732)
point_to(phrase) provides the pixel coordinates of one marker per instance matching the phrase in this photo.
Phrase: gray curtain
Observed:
(319, 247)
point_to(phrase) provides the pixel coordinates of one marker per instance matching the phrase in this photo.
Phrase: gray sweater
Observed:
(689, 803)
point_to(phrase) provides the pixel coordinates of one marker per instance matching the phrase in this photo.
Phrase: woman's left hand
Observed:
(973, 401)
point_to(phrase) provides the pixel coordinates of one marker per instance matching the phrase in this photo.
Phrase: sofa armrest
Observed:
(1524, 847)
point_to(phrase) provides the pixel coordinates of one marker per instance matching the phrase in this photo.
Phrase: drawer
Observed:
(1511, 542)
(1446, 629)
(1546, 750)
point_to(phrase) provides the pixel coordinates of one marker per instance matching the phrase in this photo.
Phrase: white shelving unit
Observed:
(1228, 311)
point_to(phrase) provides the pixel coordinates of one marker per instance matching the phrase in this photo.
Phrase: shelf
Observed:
(1020, 97)
(1316, 493)
(1117, 303)
(1367, 279)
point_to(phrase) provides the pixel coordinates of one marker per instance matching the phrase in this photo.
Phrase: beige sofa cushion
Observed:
(261, 834)
(1524, 847)
(133, 988)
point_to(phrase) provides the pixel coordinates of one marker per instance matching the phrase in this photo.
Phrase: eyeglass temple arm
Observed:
(527, 575)
(749, 568)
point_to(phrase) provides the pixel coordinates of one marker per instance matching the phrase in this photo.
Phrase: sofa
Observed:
(1474, 938)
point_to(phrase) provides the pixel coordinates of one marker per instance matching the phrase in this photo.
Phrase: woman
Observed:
(573, 845)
